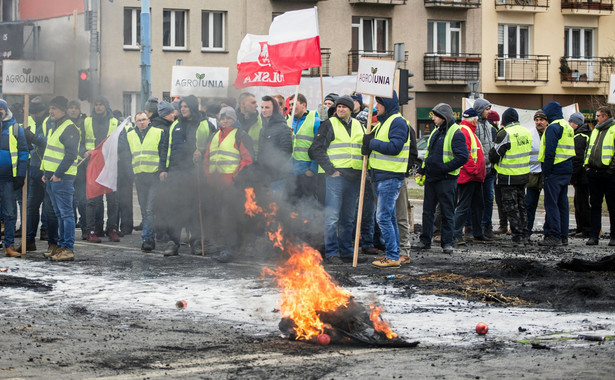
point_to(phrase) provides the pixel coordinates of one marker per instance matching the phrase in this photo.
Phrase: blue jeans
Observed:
(9, 212)
(488, 193)
(442, 192)
(532, 197)
(341, 196)
(36, 197)
(61, 195)
(147, 188)
(387, 192)
(556, 205)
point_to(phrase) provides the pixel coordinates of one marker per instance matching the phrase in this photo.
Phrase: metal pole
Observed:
(146, 67)
(94, 74)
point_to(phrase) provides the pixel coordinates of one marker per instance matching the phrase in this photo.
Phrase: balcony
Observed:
(463, 4)
(591, 7)
(325, 58)
(383, 2)
(451, 70)
(529, 70)
(588, 72)
(533, 6)
(354, 55)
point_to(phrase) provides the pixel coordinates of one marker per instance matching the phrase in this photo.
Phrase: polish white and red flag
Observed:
(101, 177)
(294, 40)
(254, 67)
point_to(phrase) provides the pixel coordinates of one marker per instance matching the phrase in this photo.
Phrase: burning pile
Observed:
(311, 303)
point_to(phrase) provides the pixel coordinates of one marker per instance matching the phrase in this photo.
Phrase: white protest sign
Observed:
(612, 90)
(27, 77)
(376, 77)
(200, 81)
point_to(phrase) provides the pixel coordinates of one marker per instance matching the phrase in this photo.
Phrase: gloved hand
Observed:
(18, 183)
(365, 150)
(419, 179)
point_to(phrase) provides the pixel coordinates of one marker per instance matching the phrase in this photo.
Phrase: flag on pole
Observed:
(254, 67)
(294, 41)
(102, 168)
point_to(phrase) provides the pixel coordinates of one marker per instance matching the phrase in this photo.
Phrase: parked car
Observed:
(421, 146)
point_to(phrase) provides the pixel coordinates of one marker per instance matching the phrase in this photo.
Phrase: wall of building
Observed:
(45, 9)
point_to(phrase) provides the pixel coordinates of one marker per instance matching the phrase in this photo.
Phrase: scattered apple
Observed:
(481, 328)
(323, 339)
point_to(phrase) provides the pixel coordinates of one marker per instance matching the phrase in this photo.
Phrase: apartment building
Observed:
(509, 51)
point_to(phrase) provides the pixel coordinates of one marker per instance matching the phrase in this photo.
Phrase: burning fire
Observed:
(307, 289)
(380, 325)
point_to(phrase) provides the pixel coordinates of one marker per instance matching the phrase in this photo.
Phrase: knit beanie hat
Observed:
(540, 114)
(509, 116)
(345, 100)
(228, 112)
(59, 102)
(165, 108)
(470, 112)
(577, 118)
(358, 97)
(332, 97)
(493, 116)
(151, 105)
(37, 104)
(74, 103)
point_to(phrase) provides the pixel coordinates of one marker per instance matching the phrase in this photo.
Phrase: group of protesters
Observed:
(467, 165)
(177, 152)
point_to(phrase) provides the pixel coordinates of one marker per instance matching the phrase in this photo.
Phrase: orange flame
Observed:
(294, 215)
(307, 289)
(380, 325)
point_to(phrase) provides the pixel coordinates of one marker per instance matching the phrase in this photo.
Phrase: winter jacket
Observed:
(275, 145)
(398, 135)
(70, 139)
(552, 134)
(435, 169)
(6, 165)
(499, 150)
(100, 122)
(243, 143)
(581, 141)
(300, 167)
(161, 123)
(595, 155)
(485, 132)
(472, 171)
(318, 150)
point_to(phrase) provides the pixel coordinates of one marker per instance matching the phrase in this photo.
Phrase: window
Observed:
(370, 35)
(579, 43)
(174, 26)
(212, 30)
(131, 103)
(132, 27)
(444, 37)
(513, 41)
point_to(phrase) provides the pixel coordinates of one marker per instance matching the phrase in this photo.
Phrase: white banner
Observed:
(27, 77)
(526, 116)
(376, 77)
(206, 82)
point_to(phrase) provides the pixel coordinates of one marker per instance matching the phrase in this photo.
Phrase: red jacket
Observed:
(472, 170)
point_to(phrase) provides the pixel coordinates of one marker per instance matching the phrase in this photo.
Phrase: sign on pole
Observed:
(27, 77)
(376, 77)
(612, 90)
(200, 81)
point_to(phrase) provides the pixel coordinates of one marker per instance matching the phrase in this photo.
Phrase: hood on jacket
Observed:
(391, 106)
(5, 106)
(480, 105)
(584, 128)
(553, 110)
(103, 100)
(275, 118)
(193, 103)
(444, 111)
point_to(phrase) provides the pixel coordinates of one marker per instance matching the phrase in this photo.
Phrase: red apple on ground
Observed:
(481, 328)
(323, 339)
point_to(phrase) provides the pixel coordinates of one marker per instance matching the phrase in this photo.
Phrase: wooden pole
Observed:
(357, 235)
(292, 114)
(24, 189)
(322, 94)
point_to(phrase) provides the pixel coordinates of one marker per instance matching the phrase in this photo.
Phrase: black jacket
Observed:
(581, 141)
(275, 145)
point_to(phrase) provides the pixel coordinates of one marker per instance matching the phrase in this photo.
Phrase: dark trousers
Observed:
(124, 198)
(442, 192)
(80, 201)
(498, 201)
(532, 197)
(556, 205)
(36, 197)
(601, 186)
(513, 203)
(469, 198)
(582, 210)
(94, 213)
(181, 194)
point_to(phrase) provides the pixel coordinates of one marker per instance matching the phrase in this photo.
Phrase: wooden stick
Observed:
(357, 235)
(292, 114)
(322, 94)
(24, 189)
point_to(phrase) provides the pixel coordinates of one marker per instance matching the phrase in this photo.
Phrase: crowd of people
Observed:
(190, 164)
